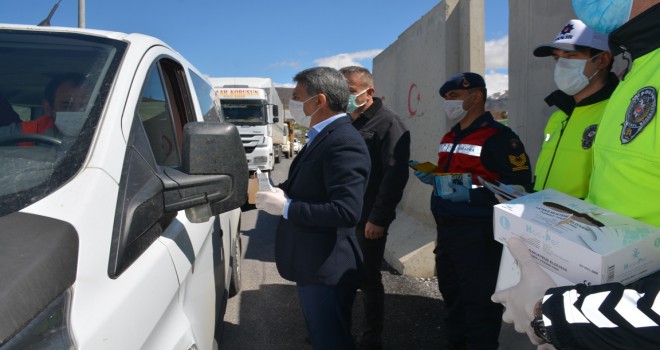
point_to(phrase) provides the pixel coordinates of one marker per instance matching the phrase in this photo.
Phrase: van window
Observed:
(165, 107)
(208, 102)
(31, 61)
(156, 116)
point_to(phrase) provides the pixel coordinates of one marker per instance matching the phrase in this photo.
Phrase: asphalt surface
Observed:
(266, 314)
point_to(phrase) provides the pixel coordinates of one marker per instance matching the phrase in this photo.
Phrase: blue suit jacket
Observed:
(326, 185)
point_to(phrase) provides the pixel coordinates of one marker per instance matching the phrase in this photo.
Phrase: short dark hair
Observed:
(593, 52)
(327, 81)
(76, 79)
(365, 75)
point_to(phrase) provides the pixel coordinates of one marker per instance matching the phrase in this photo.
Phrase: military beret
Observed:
(466, 80)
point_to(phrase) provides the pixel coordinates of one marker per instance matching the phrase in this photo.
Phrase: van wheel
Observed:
(220, 292)
(235, 285)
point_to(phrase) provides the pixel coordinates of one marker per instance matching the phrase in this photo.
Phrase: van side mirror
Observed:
(276, 112)
(213, 154)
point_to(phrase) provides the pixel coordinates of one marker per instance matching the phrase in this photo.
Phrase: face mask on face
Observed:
(297, 109)
(454, 110)
(603, 15)
(70, 123)
(569, 75)
(352, 107)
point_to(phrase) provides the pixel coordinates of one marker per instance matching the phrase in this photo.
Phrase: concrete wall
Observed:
(532, 23)
(407, 75)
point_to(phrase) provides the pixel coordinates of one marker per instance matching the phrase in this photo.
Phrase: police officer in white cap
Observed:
(582, 73)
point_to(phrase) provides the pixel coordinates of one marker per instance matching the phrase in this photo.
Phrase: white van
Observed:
(119, 227)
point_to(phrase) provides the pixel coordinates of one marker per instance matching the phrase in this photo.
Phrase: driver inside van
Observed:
(64, 103)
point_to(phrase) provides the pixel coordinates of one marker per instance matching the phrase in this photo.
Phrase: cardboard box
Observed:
(579, 241)
(253, 187)
(441, 182)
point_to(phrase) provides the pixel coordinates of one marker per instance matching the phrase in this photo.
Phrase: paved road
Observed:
(266, 315)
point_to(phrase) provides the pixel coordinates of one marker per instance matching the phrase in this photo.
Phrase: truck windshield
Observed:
(244, 112)
(53, 87)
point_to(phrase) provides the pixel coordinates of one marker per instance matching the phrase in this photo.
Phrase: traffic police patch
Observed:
(588, 136)
(641, 111)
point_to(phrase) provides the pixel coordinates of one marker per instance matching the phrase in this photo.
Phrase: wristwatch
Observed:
(537, 323)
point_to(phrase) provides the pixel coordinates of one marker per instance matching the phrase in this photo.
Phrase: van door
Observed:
(164, 106)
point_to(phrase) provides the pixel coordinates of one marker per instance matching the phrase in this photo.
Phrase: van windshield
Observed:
(244, 112)
(53, 87)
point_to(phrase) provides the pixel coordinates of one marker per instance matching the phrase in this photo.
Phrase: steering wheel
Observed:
(30, 138)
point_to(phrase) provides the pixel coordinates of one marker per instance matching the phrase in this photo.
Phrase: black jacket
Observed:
(388, 141)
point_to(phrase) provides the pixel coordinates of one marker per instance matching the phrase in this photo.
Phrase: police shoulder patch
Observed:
(588, 136)
(642, 109)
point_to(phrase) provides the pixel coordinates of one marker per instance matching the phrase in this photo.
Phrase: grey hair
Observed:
(365, 76)
(327, 81)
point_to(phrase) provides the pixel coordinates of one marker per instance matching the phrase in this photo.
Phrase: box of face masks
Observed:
(578, 241)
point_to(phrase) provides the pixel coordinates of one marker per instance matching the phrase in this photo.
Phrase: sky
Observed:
(267, 38)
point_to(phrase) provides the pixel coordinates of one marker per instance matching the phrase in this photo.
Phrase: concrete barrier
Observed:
(407, 75)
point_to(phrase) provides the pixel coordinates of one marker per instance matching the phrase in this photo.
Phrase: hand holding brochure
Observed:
(426, 167)
(264, 182)
(506, 192)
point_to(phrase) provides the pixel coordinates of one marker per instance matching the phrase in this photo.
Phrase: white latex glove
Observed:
(545, 346)
(520, 299)
(271, 202)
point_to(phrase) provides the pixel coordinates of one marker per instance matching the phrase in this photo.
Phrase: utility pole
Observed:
(81, 13)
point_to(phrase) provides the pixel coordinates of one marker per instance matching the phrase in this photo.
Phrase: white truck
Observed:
(253, 105)
(119, 226)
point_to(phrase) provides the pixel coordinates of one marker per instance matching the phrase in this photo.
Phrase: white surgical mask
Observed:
(352, 107)
(70, 123)
(297, 109)
(569, 75)
(454, 110)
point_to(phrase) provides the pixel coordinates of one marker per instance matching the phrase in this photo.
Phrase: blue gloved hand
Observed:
(424, 177)
(460, 194)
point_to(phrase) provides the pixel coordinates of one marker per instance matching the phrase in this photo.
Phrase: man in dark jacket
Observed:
(320, 204)
(388, 140)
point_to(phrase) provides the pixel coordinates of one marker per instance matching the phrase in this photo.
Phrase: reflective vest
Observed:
(626, 173)
(465, 154)
(565, 161)
(37, 126)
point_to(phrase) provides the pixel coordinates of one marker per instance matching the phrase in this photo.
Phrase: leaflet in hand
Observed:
(426, 167)
(503, 190)
(264, 182)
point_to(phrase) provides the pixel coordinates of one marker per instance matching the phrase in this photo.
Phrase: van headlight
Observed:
(49, 330)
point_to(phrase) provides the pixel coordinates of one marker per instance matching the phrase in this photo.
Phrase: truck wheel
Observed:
(235, 285)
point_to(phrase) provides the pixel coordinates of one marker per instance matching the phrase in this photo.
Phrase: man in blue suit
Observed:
(320, 204)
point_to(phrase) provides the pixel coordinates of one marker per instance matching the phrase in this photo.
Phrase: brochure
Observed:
(505, 191)
(426, 167)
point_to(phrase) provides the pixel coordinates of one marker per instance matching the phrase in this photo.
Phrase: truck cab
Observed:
(118, 206)
(253, 105)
